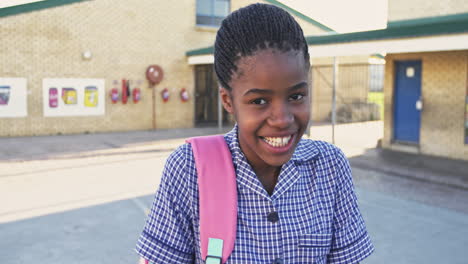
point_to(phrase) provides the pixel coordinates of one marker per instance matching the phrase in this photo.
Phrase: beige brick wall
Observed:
(124, 40)
(444, 86)
(404, 9)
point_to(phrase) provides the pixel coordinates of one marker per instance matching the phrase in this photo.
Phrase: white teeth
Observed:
(277, 141)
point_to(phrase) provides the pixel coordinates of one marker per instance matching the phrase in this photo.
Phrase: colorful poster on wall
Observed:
(73, 97)
(91, 96)
(13, 97)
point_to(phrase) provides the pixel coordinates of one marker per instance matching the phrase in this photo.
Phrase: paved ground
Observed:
(83, 198)
(404, 231)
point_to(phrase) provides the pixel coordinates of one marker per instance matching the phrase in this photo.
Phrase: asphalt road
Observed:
(82, 199)
(91, 210)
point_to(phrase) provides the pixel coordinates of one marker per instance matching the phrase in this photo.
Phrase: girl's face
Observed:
(270, 102)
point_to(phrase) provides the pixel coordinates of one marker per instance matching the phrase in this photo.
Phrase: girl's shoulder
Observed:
(180, 165)
(182, 153)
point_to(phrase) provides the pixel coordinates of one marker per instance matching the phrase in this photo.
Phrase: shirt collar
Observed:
(233, 144)
(305, 151)
(289, 173)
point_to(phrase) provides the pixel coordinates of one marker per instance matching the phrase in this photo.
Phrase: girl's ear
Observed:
(226, 99)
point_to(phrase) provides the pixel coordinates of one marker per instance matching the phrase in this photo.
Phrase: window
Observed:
(211, 12)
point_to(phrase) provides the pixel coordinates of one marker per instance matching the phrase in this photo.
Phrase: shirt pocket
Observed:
(313, 248)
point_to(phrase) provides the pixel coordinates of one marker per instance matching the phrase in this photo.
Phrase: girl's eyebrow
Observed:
(267, 91)
(258, 91)
(298, 86)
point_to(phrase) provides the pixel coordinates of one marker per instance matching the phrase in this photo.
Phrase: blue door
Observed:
(407, 117)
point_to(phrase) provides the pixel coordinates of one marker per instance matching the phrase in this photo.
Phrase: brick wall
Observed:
(124, 40)
(444, 86)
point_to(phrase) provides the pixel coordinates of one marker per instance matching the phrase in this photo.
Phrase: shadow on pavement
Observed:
(104, 233)
(450, 172)
(402, 232)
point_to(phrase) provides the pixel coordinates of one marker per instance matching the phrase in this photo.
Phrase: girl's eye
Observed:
(296, 97)
(259, 101)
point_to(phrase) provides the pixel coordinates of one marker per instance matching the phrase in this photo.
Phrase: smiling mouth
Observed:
(277, 142)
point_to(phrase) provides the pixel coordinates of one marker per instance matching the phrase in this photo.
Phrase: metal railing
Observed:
(346, 93)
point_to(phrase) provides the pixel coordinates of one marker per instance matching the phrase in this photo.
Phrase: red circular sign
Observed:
(154, 74)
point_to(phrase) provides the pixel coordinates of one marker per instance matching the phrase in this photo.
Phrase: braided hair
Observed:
(254, 28)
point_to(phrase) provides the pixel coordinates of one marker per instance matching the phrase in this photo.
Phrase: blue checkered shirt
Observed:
(316, 217)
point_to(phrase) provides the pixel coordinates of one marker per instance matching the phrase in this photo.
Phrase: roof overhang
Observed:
(404, 45)
(441, 33)
(201, 59)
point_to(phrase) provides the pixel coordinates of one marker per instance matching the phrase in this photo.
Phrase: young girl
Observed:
(296, 201)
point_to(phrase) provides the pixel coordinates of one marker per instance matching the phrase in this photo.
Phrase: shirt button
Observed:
(278, 261)
(273, 217)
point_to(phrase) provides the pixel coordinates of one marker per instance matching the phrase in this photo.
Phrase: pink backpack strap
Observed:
(217, 191)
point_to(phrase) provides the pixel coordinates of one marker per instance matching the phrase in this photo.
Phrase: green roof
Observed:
(450, 24)
(202, 51)
(427, 20)
(15, 10)
(442, 25)
(378, 56)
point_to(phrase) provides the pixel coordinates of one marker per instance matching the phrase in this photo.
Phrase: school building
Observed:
(426, 76)
(79, 66)
(75, 66)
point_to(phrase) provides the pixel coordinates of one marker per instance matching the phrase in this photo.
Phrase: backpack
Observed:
(217, 191)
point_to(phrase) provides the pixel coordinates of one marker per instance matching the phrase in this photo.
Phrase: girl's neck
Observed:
(268, 176)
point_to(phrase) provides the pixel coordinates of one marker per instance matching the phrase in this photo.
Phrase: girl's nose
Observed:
(281, 116)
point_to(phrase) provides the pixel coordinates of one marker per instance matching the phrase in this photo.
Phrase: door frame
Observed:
(394, 105)
(214, 87)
